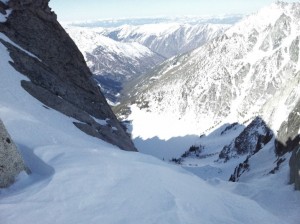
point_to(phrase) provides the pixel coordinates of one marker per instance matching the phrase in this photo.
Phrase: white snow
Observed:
(88, 39)
(159, 29)
(79, 179)
(3, 18)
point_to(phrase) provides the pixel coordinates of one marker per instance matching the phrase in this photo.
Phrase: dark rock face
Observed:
(11, 162)
(59, 76)
(251, 140)
(288, 141)
(3, 8)
(295, 168)
(239, 170)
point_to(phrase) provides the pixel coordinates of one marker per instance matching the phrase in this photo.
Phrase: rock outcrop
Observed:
(253, 138)
(11, 162)
(59, 76)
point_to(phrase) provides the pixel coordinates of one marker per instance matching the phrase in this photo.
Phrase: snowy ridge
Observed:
(167, 39)
(87, 39)
(266, 17)
(76, 178)
(108, 23)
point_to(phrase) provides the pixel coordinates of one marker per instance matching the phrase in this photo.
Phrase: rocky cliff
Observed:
(58, 75)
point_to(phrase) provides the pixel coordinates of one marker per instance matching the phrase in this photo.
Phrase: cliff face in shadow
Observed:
(58, 74)
(288, 141)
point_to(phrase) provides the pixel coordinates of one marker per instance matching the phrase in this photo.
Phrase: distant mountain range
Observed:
(238, 94)
(109, 23)
(117, 55)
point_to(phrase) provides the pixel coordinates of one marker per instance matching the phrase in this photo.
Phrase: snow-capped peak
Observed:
(265, 17)
(87, 39)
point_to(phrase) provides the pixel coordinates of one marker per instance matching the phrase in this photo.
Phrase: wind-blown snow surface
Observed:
(79, 179)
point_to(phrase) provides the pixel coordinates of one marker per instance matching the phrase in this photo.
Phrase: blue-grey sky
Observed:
(76, 10)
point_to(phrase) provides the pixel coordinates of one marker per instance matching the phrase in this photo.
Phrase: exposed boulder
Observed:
(11, 162)
(59, 76)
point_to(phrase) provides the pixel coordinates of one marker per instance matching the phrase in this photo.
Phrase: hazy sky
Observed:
(74, 10)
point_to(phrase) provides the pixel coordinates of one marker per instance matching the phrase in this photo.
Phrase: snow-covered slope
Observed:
(167, 39)
(251, 70)
(113, 63)
(106, 56)
(80, 179)
(77, 178)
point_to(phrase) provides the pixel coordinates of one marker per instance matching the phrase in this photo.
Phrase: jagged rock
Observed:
(265, 44)
(251, 140)
(281, 29)
(295, 168)
(294, 50)
(11, 162)
(3, 8)
(239, 170)
(59, 76)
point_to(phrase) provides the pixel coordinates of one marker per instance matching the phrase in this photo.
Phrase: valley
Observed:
(209, 97)
(150, 120)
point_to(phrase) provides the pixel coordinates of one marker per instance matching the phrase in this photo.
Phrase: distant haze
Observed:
(79, 10)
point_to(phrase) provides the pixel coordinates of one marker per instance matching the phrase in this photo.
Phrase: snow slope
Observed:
(79, 179)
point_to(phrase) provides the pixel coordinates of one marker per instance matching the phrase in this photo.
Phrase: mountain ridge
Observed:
(207, 83)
